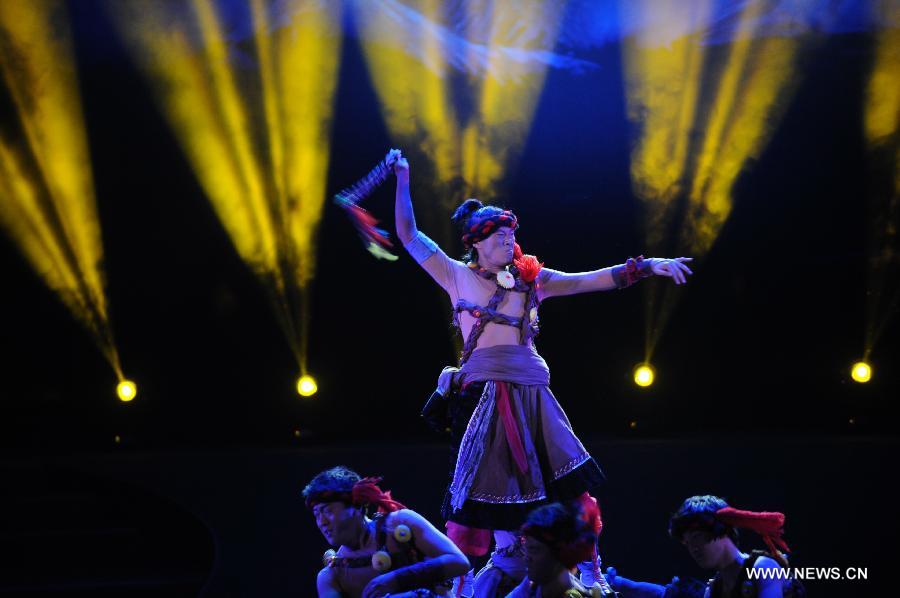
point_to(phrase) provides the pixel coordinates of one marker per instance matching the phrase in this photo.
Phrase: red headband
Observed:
(364, 492)
(367, 492)
(767, 524)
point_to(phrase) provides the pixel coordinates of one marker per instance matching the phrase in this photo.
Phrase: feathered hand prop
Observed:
(375, 239)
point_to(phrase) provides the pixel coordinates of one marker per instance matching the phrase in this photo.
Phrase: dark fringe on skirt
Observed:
(587, 477)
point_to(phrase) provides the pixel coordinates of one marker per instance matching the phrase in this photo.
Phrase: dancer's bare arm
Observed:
(555, 283)
(403, 210)
(766, 587)
(326, 585)
(444, 559)
(434, 544)
(431, 257)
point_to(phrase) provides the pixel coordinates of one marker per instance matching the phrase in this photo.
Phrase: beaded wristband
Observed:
(632, 271)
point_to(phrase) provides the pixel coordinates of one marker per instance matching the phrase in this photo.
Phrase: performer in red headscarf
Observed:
(395, 551)
(556, 538)
(708, 528)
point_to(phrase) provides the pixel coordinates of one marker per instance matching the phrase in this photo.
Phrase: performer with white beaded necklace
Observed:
(518, 450)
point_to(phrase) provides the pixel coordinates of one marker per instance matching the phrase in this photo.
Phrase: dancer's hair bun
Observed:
(466, 209)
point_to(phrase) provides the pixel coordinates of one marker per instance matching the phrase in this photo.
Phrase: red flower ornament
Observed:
(529, 267)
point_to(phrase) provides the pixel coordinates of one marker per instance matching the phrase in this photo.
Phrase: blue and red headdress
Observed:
(478, 221)
(485, 222)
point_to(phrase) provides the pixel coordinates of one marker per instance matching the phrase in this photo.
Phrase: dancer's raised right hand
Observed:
(401, 169)
(392, 156)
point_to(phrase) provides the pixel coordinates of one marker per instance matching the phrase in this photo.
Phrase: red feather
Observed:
(529, 267)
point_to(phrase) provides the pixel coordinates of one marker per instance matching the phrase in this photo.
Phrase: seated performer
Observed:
(396, 552)
(557, 537)
(518, 449)
(706, 525)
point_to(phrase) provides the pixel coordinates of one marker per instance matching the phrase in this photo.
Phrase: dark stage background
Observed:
(753, 367)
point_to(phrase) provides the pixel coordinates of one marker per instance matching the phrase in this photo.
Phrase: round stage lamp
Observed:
(306, 386)
(861, 372)
(644, 375)
(126, 390)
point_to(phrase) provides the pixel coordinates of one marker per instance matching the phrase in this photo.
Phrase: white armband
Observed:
(421, 247)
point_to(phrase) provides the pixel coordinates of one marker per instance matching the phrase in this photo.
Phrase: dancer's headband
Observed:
(480, 228)
(364, 492)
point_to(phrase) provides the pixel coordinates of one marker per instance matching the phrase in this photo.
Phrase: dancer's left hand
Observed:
(379, 586)
(673, 268)
(445, 380)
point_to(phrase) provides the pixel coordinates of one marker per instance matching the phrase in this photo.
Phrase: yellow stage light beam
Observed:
(459, 152)
(419, 88)
(749, 101)
(254, 119)
(662, 88)
(882, 130)
(701, 121)
(662, 95)
(47, 199)
(509, 90)
(414, 93)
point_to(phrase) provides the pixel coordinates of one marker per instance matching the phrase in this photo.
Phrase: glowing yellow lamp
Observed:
(861, 372)
(306, 386)
(643, 375)
(126, 390)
